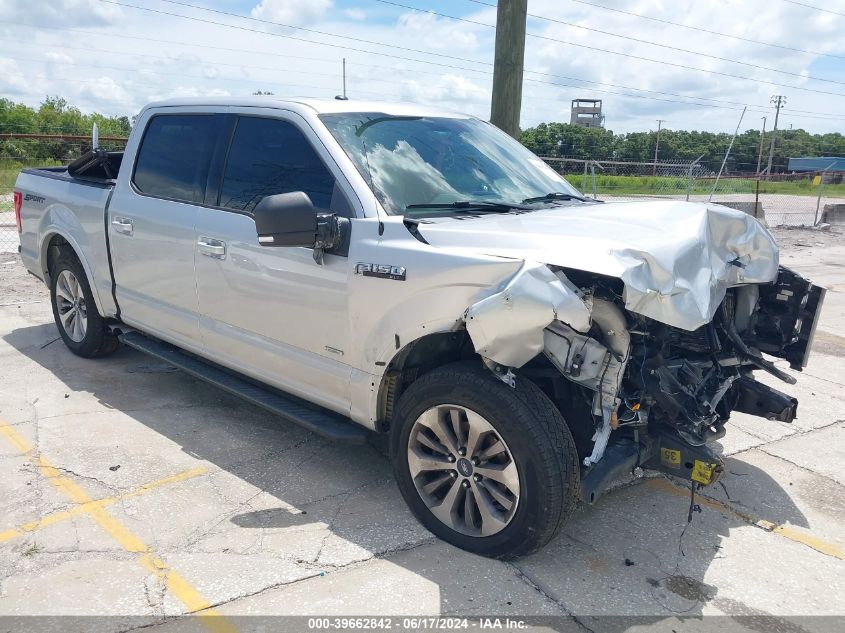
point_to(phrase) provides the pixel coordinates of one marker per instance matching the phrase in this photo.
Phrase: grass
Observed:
(32, 550)
(7, 179)
(9, 171)
(677, 185)
(605, 184)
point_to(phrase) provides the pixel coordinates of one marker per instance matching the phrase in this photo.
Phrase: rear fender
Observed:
(48, 234)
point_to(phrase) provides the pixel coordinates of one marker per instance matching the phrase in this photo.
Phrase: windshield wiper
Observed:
(363, 127)
(475, 205)
(557, 195)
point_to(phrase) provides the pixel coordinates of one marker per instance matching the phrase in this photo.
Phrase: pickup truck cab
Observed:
(369, 268)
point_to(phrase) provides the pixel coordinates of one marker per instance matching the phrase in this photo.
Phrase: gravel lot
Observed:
(136, 493)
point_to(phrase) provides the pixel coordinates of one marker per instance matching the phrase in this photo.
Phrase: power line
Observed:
(692, 28)
(548, 83)
(289, 26)
(814, 7)
(214, 63)
(428, 62)
(624, 37)
(347, 47)
(257, 52)
(806, 113)
(273, 83)
(823, 115)
(184, 75)
(463, 59)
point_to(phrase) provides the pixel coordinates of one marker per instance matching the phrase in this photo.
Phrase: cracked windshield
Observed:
(423, 166)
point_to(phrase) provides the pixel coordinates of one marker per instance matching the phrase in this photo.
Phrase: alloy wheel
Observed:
(463, 470)
(70, 300)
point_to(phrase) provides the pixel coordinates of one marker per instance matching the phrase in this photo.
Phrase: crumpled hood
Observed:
(675, 258)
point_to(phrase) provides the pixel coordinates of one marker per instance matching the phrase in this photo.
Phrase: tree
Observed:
(565, 140)
(53, 116)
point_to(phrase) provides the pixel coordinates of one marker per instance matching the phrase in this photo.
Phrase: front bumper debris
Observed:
(662, 451)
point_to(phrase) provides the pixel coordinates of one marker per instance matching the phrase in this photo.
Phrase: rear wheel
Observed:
(81, 327)
(489, 468)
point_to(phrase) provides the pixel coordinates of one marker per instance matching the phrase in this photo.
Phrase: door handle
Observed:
(122, 225)
(211, 247)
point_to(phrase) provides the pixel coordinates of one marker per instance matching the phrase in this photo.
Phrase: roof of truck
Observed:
(320, 106)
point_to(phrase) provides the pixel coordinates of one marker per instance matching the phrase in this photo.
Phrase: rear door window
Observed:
(270, 156)
(174, 156)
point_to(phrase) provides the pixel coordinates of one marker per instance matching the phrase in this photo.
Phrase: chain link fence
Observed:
(781, 199)
(19, 151)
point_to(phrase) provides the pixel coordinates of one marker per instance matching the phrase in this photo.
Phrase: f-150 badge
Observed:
(384, 271)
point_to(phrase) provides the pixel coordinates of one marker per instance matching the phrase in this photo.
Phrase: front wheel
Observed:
(489, 468)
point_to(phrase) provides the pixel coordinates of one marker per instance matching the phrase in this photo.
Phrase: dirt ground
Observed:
(16, 285)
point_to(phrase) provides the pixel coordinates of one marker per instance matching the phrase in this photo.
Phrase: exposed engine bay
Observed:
(657, 394)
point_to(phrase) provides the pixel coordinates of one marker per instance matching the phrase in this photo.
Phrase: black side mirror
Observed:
(286, 219)
(290, 219)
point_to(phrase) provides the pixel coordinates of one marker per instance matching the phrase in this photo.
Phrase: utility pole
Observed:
(760, 151)
(509, 60)
(779, 101)
(657, 145)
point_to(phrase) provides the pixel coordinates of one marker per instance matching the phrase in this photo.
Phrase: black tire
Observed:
(97, 339)
(538, 440)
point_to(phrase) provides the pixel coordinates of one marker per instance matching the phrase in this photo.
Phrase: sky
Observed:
(114, 56)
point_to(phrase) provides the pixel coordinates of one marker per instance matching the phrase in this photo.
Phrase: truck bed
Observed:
(96, 167)
(60, 205)
(61, 173)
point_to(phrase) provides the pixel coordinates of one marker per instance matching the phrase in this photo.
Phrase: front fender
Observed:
(386, 314)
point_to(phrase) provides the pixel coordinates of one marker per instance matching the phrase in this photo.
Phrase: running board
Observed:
(324, 423)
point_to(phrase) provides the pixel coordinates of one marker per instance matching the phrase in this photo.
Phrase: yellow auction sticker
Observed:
(702, 472)
(670, 457)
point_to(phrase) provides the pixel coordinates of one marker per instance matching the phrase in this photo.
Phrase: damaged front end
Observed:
(653, 395)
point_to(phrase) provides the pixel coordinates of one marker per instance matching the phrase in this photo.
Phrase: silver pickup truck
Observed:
(365, 268)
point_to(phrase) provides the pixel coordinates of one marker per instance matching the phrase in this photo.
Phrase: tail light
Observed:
(18, 203)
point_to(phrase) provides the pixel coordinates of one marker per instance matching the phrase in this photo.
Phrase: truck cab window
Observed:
(270, 156)
(174, 156)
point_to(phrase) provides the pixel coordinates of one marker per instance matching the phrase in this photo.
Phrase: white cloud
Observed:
(238, 62)
(355, 13)
(105, 89)
(186, 92)
(59, 58)
(437, 33)
(60, 12)
(291, 12)
(450, 90)
(12, 79)
(777, 22)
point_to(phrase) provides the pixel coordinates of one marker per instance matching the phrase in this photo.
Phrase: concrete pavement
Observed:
(132, 490)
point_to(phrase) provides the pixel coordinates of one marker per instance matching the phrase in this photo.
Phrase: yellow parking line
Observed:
(788, 532)
(809, 540)
(85, 508)
(176, 584)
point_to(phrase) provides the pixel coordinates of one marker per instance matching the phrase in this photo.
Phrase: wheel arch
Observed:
(414, 360)
(424, 354)
(53, 246)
